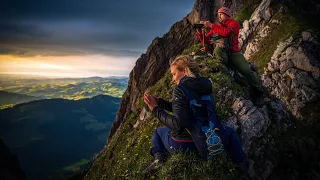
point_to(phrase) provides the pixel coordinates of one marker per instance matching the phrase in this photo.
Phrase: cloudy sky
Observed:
(81, 38)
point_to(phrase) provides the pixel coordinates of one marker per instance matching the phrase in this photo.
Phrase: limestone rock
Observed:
(144, 114)
(253, 121)
(261, 15)
(296, 80)
(285, 65)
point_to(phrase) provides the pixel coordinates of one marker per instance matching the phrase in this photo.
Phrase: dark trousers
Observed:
(233, 146)
(163, 142)
(238, 62)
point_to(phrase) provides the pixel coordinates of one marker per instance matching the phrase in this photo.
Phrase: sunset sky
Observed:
(81, 38)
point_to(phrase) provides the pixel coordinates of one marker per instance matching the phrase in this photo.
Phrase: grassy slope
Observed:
(128, 151)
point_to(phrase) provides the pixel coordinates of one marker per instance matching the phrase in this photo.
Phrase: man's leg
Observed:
(221, 55)
(242, 66)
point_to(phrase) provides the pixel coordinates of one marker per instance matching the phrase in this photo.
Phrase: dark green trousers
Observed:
(239, 63)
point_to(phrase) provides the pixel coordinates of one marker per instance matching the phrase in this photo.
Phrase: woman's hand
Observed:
(206, 23)
(150, 100)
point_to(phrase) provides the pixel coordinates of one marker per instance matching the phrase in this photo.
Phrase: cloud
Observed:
(117, 28)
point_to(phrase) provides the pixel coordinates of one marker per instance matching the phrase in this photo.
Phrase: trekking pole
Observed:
(203, 39)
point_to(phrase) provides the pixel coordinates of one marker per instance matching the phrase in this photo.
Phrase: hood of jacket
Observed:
(200, 85)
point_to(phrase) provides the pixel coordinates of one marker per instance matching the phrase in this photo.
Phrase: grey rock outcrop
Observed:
(293, 73)
(256, 25)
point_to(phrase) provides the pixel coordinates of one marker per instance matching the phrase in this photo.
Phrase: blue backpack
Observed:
(206, 130)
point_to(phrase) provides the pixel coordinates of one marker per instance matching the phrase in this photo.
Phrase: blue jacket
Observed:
(182, 114)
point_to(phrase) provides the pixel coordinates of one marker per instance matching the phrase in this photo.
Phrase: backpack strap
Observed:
(192, 100)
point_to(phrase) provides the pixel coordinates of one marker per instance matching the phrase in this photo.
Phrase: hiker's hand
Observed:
(206, 23)
(150, 100)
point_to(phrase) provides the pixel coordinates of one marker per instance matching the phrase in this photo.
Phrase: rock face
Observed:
(252, 122)
(293, 73)
(152, 65)
(256, 24)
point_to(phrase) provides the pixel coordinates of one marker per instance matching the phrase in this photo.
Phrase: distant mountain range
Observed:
(15, 90)
(56, 135)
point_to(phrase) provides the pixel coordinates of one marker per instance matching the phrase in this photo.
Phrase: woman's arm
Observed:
(165, 104)
(180, 109)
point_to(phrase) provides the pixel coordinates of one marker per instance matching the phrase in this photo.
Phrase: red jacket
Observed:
(225, 31)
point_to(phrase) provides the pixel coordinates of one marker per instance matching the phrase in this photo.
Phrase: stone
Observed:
(144, 114)
(289, 51)
(306, 35)
(284, 89)
(281, 47)
(264, 32)
(253, 121)
(309, 94)
(136, 124)
(246, 25)
(302, 62)
(267, 82)
(316, 73)
(303, 78)
(285, 65)
(274, 21)
(232, 122)
(276, 76)
(278, 112)
(292, 72)
(270, 68)
(240, 103)
(253, 125)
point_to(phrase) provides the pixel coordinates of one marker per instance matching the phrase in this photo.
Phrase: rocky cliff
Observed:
(280, 136)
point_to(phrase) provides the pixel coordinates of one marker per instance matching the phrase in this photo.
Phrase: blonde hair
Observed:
(186, 62)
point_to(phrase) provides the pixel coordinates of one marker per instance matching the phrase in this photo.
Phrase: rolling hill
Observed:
(54, 136)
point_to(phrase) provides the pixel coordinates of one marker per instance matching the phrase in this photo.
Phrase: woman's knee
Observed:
(160, 132)
(155, 135)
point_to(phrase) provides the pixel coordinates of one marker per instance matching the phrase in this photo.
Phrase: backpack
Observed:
(223, 42)
(205, 129)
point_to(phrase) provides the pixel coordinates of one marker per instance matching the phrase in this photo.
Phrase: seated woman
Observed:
(174, 137)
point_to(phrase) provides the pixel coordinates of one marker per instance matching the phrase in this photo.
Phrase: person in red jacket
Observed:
(229, 53)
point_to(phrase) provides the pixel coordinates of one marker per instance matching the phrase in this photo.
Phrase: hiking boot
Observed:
(159, 159)
(243, 171)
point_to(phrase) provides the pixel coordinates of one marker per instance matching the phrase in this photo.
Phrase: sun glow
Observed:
(66, 66)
